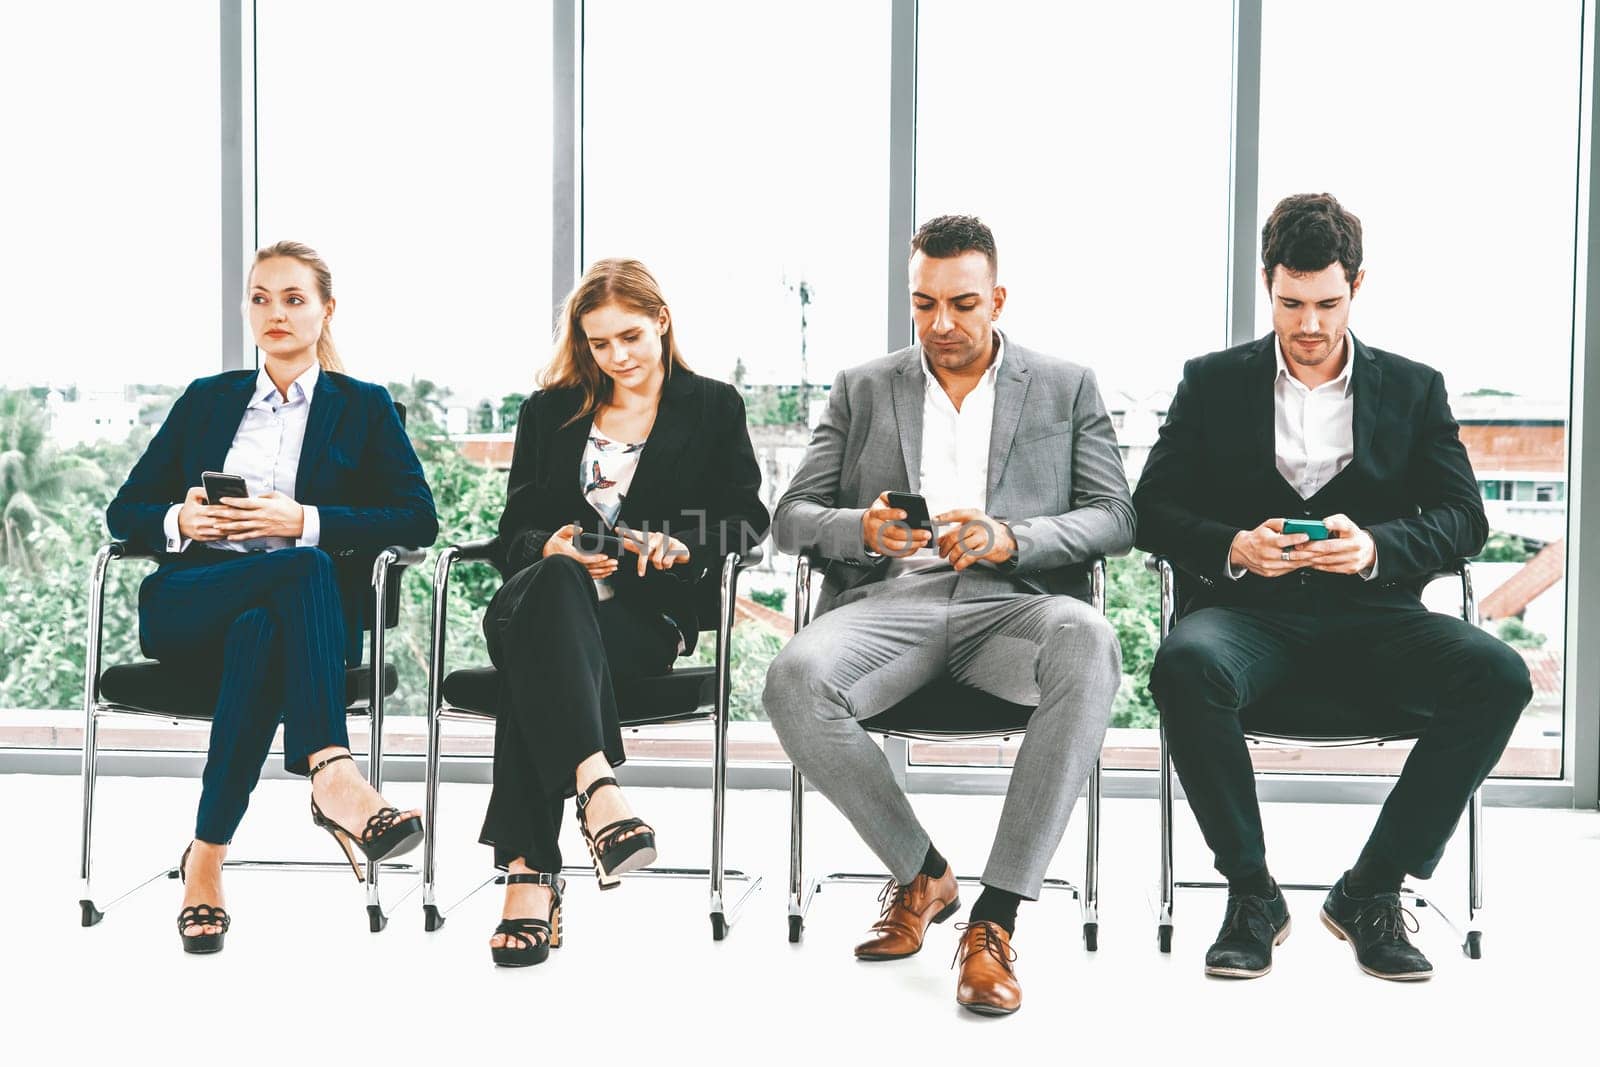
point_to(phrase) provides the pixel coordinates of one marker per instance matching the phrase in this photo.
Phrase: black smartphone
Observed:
(219, 486)
(603, 544)
(915, 505)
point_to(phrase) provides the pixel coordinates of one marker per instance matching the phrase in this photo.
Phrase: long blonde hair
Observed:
(607, 281)
(327, 354)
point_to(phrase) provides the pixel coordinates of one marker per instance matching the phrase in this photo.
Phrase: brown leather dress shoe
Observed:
(987, 983)
(907, 912)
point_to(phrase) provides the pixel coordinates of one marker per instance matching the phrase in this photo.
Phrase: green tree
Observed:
(1504, 548)
(483, 417)
(425, 406)
(1514, 632)
(1133, 607)
(510, 409)
(38, 483)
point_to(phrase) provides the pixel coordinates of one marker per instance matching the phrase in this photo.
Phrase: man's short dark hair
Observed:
(1309, 232)
(953, 235)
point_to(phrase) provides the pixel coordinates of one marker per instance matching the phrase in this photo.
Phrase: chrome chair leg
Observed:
(1473, 946)
(800, 891)
(1090, 901)
(90, 914)
(432, 917)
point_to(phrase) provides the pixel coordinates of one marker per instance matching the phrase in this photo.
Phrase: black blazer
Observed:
(356, 466)
(1213, 472)
(697, 480)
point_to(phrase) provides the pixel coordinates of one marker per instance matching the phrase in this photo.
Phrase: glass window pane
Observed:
(112, 135)
(1452, 131)
(753, 181)
(1094, 140)
(411, 146)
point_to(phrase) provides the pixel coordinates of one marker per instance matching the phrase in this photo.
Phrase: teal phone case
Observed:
(1314, 530)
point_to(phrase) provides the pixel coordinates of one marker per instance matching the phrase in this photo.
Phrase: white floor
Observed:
(302, 979)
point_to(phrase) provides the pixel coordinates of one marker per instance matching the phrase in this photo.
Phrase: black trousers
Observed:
(558, 648)
(1465, 688)
(268, 630)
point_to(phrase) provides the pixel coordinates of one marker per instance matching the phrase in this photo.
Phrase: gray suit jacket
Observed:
(1054, 474)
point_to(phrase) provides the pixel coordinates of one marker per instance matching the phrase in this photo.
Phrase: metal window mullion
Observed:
(237, 152)
(1582, 652)
(902, 169)
(566, 132)
(1244, 171)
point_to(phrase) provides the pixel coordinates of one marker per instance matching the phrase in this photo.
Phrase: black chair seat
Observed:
(946, 709)
(1328, 716)
(685, 695)
(163, 690)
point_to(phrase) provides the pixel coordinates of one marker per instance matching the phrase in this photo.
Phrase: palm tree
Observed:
(37, 482)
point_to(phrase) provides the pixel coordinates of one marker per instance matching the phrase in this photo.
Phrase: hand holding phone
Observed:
(221, 487)
(889, 530)
(1314, 529)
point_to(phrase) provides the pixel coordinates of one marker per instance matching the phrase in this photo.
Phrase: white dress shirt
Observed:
(266, 453)
(1313, 428)
(1313, 431)
(954, 466)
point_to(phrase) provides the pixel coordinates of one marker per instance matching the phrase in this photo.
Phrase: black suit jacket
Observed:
(356, 466)
(1213, 472)
(697, 480)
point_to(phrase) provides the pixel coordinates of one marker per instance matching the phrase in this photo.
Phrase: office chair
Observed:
(943, 711)
(152, 690)
(685, 694)
(1292, 719)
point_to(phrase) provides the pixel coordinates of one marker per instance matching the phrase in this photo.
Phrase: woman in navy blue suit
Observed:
(247, 592)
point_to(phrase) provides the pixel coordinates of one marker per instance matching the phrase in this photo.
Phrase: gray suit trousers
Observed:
(885, 640)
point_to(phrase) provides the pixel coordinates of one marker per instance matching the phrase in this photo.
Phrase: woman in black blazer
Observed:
(247, 597)
(623, 441)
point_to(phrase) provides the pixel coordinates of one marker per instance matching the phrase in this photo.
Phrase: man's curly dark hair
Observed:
(1309, 232)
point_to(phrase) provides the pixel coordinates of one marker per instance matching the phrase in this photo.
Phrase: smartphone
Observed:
(219, 486)
(603, 544)
(1310, 527)
(915, 505)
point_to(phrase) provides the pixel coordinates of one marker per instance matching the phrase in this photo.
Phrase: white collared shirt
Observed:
(266, 453)
(1313, 428)
(954, 466)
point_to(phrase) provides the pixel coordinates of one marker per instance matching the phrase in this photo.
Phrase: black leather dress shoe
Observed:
(1376, 928)
(1251, 927)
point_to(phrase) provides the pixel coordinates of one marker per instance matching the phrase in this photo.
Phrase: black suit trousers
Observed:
(557, 648)
(1462, 686)
(268, 630)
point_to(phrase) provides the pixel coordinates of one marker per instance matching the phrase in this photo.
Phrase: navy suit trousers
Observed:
(267, 629)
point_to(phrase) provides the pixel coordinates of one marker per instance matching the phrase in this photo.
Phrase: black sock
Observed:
(1259, 884)
(1372, 875)
(933, 864)
(996, 906)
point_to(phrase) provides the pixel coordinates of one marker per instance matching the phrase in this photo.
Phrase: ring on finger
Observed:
(1286, 554)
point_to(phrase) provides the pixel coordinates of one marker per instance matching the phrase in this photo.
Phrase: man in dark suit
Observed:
(1309, 423)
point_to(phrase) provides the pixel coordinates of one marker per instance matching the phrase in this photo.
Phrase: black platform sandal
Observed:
(613, 854)
(529, 941)
(386, 834)
(199, 915)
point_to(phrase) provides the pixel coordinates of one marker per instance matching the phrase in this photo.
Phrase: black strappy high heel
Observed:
(199, 915)
(529, 941)
(386, 834)
(613, 854)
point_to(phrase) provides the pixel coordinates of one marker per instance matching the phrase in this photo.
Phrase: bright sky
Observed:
(741, 148)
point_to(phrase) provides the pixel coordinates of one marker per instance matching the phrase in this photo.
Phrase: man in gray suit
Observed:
(1018, 462)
